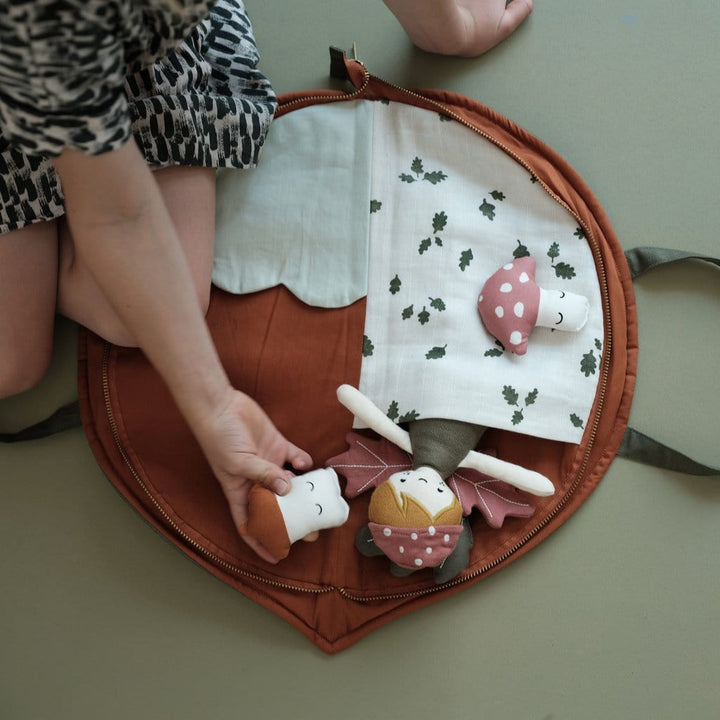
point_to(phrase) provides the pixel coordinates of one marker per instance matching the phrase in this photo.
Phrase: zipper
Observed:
(334, 97)
(602, 385)
(207, 554)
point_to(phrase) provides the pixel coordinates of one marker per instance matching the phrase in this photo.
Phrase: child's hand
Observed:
(243, 447)
(459, 27)
(492, 21)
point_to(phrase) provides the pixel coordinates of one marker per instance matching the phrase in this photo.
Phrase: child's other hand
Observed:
(243, 447)
(459, 27)
(492, 21)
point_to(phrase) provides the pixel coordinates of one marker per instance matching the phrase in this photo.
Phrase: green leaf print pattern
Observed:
(423, 317)
(487, 209)
(368, 348)
(436, 352)
(394, 413)
(439, 222)
(588, 366)
(496, 351)
(418, 173)
(562, 269)
(589, 363)
(435, 177)
(512, 397)
(565, 271)
(520, 251)
(409, 416)
(466, 257)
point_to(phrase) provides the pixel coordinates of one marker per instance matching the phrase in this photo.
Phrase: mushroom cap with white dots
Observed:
(508, 304)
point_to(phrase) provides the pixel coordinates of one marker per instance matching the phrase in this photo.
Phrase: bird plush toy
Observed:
(417, 514)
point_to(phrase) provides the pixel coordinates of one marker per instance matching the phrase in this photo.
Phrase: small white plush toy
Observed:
(314, 502)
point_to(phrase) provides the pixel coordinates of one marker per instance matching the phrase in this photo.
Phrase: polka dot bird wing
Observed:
(494, 498)
(368, 462)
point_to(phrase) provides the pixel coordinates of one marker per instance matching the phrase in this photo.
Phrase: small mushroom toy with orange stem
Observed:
(314, 503)
(511, 304)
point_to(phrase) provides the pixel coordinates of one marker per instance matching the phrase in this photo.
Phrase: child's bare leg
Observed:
(28, 286)
(189, 195)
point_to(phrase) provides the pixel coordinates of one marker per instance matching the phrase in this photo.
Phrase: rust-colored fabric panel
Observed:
(291, 358)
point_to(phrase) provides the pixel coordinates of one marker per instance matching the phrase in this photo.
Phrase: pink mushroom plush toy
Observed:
(511, 304)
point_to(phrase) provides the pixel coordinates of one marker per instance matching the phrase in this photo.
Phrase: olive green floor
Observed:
(616, 615)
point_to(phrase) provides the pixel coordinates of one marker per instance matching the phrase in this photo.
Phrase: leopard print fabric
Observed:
(87, 74)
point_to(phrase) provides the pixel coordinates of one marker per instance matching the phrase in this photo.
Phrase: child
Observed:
(113, 117)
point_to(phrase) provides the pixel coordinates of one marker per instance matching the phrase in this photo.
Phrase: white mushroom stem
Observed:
(374, 418)
(562, 310)
(314, 502)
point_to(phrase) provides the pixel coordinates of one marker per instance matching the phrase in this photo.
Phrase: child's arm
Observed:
(125, 236)
(459, 27)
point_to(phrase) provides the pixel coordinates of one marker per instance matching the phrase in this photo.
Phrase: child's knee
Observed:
(20, 372)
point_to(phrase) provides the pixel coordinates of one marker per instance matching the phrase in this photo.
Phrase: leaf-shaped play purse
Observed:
(374, 216)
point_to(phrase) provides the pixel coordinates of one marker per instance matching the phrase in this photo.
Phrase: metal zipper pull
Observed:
(348, 69)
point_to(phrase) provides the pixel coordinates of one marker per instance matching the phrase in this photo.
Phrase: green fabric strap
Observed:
(635, 445)
(641, 448)
(642, 259)
(65, 418)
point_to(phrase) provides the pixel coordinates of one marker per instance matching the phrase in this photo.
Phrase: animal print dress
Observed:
(179, 75)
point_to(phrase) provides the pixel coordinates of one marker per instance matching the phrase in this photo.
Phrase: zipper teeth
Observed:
(438, 106)
(216, 559)
(335, 97)
(605, 371)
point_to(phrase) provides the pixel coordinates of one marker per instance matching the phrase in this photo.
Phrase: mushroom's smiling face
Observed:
(314, 502)
(425, 486)
(562, 310)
